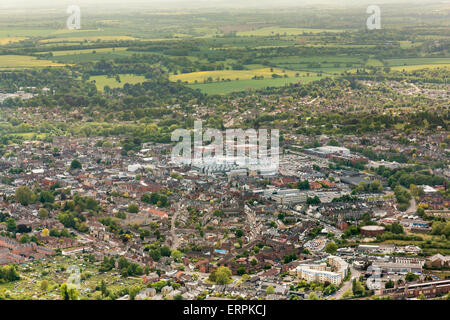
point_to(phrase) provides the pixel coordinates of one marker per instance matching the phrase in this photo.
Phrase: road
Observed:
(255, 230)
(412, 206)
(175, 239)
(347, 285)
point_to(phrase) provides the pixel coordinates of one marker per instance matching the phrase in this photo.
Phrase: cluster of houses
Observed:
(250, 223)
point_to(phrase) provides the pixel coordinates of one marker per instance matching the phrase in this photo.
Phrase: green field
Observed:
(242, 85)
(417, 61)
(229, 75)
(91, 55)
(325, 64)
(270, 31)
(84, 51)
(102, 81)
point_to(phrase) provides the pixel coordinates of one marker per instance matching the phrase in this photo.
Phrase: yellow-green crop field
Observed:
(7, 40)
(16, 61)
(420, 67)
(203, 76)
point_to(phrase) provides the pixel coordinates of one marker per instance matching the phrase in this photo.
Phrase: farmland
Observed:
(243, 85)
(284, 31)
(102, 81)
(16, 61)
(219, 75)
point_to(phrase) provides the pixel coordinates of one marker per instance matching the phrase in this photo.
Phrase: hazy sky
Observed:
(158, 4)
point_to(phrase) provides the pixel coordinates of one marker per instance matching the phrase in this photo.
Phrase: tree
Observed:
(241, 270)
(312, 296)
(155, 254)
(75, 164)
(11, 225)
(402, 195)
(43, 213)
(25, 196)
(46, 196)
(376, 186)
(389, 284)
(313, 201)
(303, 185)
(239, 233)
(8, 274)
(331, 247)
(347, 294)
(165, 251)
(357, 288)
(68, 293)
(221, 276)
(270, 290)
(330, 289)
(44, 285)
(176, 255)
(411, 277)
(421, 297)
(396, 228)
(24, 238)
(133, 208)
(132, 292)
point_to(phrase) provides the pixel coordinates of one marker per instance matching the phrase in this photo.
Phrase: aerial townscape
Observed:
(352, 204)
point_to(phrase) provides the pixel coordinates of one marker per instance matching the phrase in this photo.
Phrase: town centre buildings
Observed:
(334, 272)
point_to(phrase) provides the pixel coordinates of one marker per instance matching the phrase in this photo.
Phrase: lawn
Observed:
(102, 81)
(16, 61)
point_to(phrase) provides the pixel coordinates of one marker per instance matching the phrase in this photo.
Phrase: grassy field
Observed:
(90, 55)
(88, 38)
(102, 81)
(242, 85)
(326, 64)
(84, 51)
(417, 61)
(24, 32)
(19, 62)
(270, 31)
(229, 74)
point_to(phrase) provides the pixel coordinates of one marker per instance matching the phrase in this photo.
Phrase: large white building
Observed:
(334, 272)
(289, 196)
